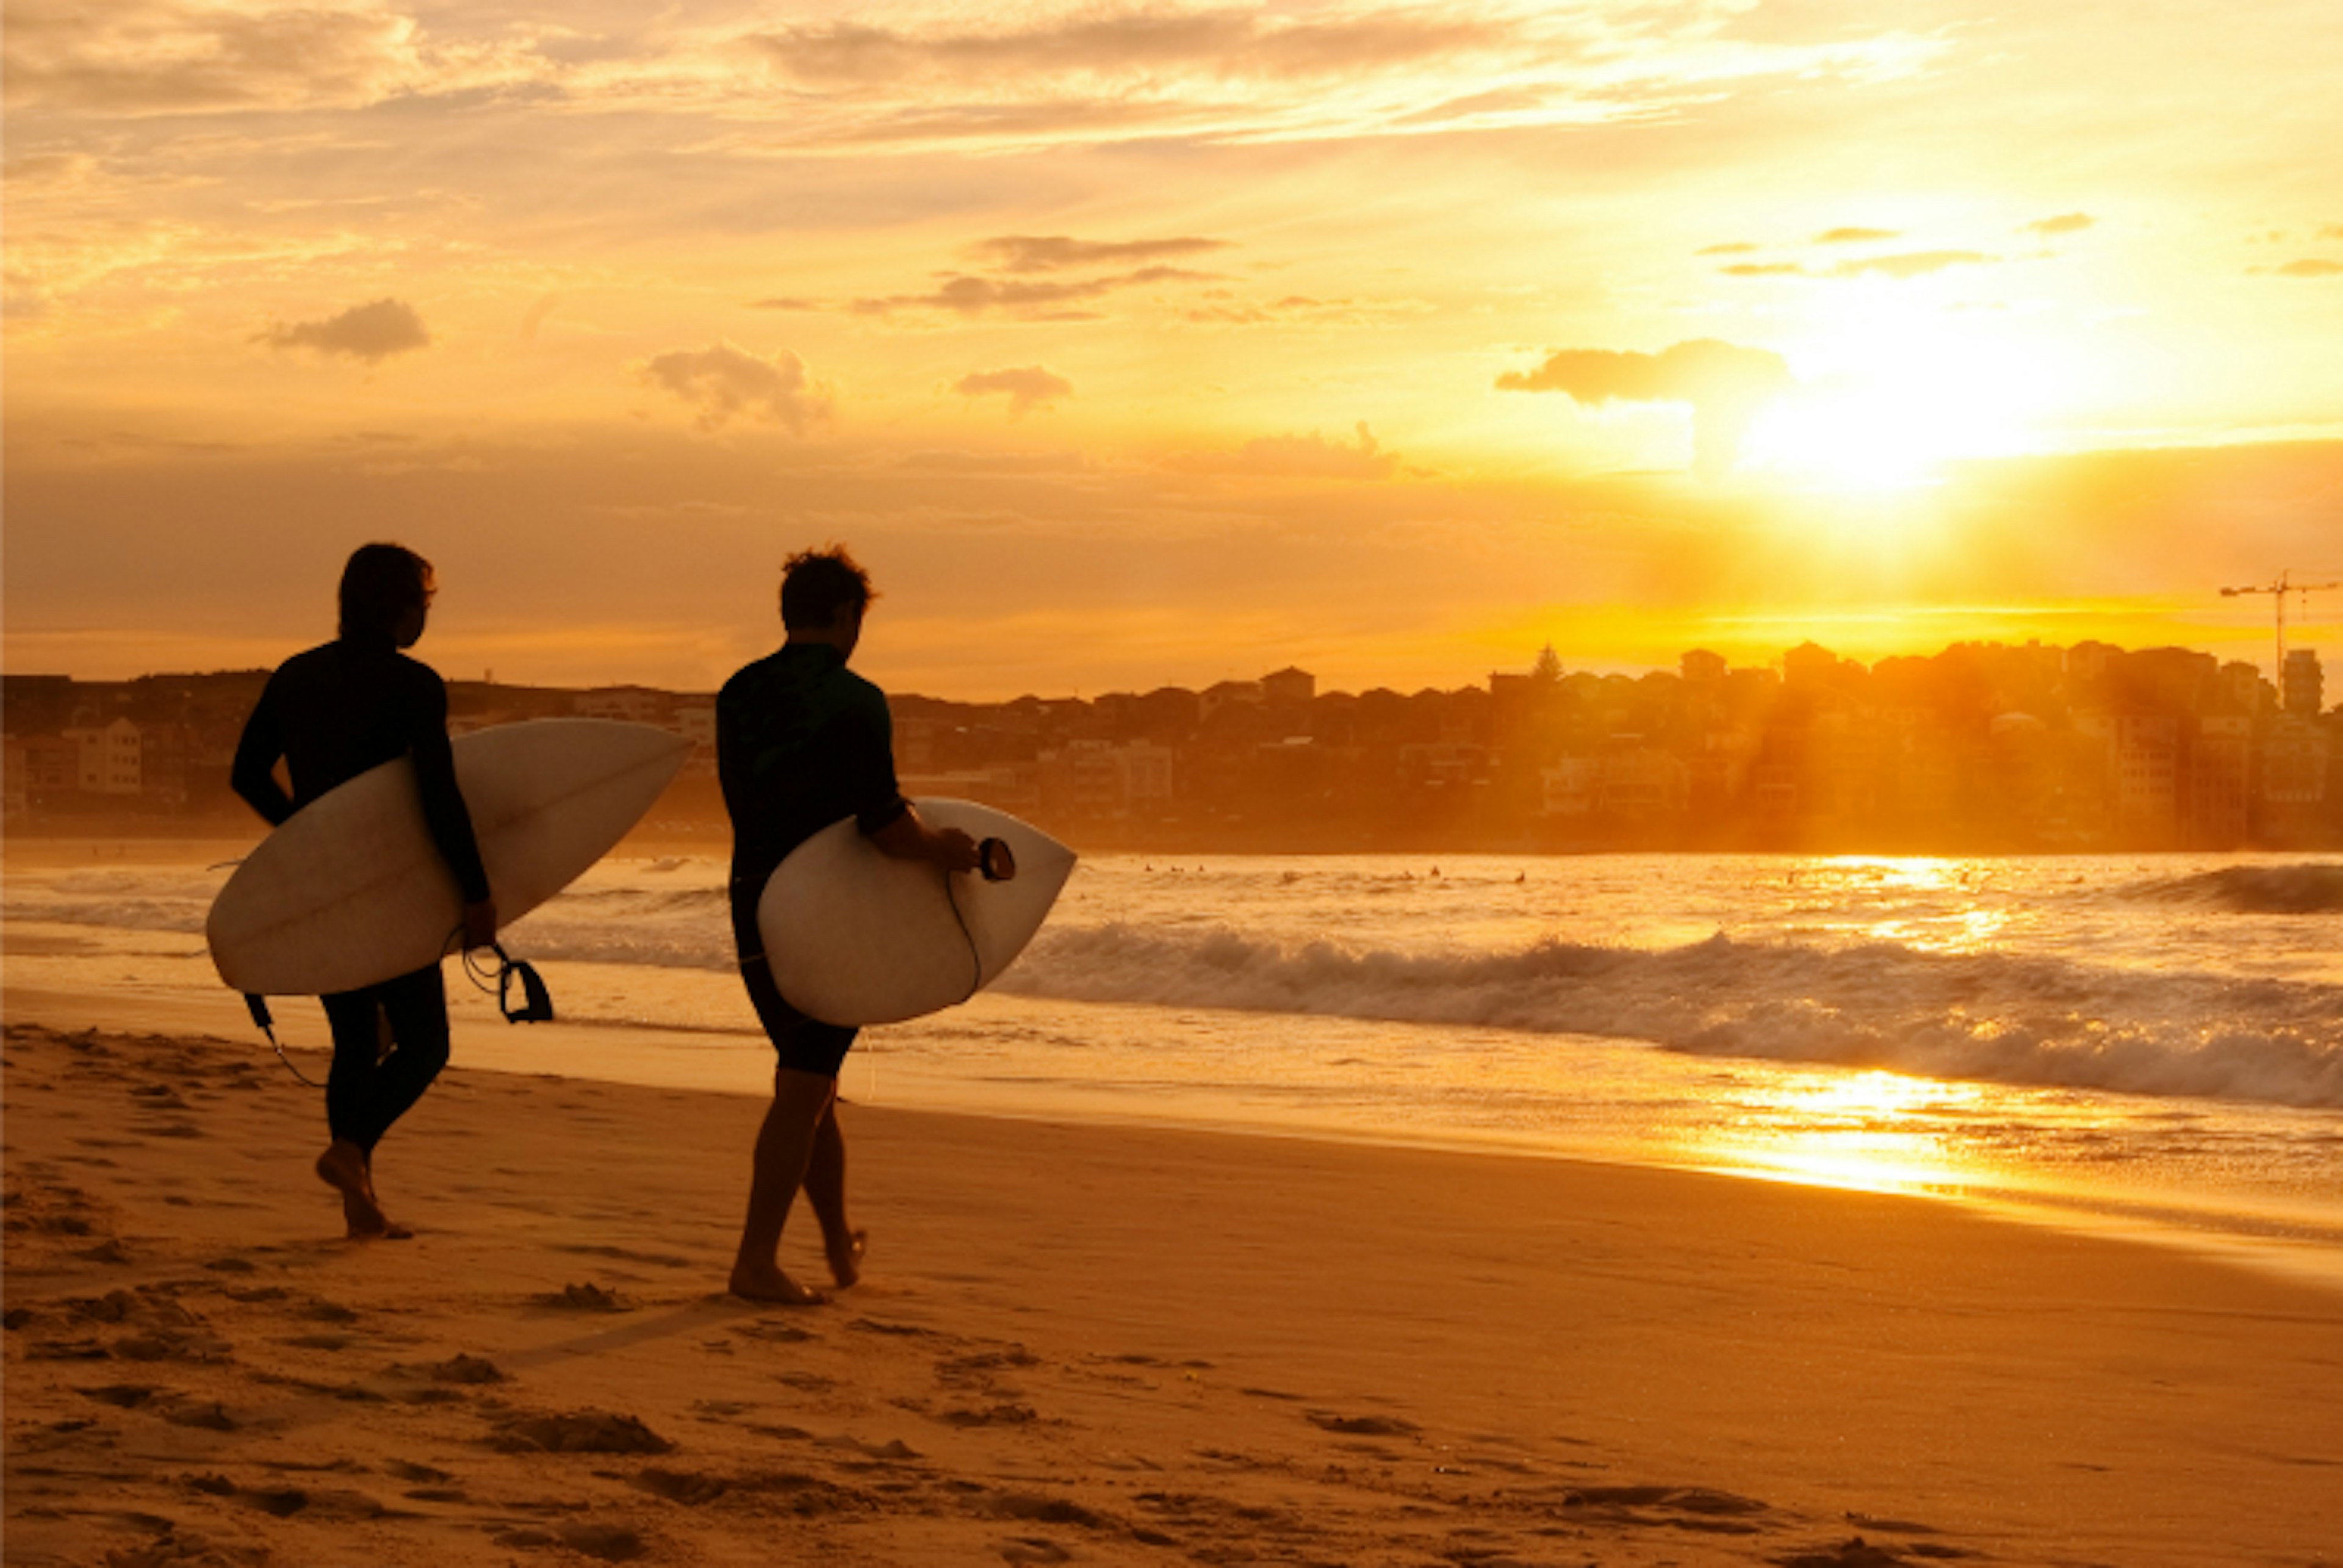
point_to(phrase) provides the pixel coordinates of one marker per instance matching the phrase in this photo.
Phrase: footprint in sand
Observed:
(681, 1486)
(578, 1432)
(1363, 1425)
(603, 1542)
(585, 1298)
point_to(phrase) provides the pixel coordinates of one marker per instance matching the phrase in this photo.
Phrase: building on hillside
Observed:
(2221, 781)
(2141, 754)
(2302, 685)
(629, 704)
(1223, 694)
(1700, 667)
(1011, 786)
(107, 758)
(1289, 686)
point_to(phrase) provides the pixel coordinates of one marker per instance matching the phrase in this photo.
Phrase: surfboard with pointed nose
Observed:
(350, 890)
(857, 937)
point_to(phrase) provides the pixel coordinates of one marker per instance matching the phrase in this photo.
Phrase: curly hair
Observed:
(815, 584)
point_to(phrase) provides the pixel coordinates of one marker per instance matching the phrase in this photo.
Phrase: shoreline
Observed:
(1078, 1341)
(652, 1058)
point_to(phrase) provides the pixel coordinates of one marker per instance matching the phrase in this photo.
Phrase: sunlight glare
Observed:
(1894, 388)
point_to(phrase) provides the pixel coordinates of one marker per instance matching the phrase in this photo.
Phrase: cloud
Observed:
(2332, 231)
(1854, 236)
(2065, 223)
(1125, 71)
(1230, 43)
(2312, 267)
(1027, 388)
(1310, 457)
(1913, 263)
(1223, 308)
(183, 56)
(965, 294)
(369, 332)
(1763, 270)
(1725, 384)
(724, 382)
(1034, 253)
(1737, 247)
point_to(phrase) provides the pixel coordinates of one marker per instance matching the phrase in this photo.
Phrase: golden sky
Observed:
(1132, 345)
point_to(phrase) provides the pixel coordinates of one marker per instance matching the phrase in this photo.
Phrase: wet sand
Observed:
(1081, 1345)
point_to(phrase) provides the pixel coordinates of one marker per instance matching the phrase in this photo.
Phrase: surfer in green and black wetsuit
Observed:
(331, 714)
(802, 742)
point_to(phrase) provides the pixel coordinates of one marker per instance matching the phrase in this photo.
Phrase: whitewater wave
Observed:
(2312, 889)
(2039, 1022)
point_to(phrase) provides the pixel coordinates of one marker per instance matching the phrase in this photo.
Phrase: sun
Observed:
(1889, 391)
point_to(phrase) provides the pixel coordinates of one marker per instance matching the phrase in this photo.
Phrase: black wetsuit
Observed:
(332, 713)
(802, 742)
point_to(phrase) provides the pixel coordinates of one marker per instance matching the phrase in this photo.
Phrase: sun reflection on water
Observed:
(1867, 1131)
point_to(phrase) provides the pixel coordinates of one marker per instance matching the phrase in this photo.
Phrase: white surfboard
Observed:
(350, 890)
(857, 937)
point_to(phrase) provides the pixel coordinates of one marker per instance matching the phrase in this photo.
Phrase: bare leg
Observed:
(825, 1188)
(343, 1167)
(784, 1151)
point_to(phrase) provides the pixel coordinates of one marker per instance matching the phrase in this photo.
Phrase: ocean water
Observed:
(2152, 1045)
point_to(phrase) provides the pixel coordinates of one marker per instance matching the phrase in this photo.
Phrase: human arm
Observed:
(908, 838)
(253, 775)
(446, 816)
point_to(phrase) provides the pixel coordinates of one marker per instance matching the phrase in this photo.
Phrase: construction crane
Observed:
(2278, 591)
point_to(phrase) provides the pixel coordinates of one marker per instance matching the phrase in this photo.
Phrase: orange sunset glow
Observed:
(1135, 344)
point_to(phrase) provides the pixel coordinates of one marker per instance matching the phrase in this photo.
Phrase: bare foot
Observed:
(343, 1167)
(845, 1253)
(770, 1284)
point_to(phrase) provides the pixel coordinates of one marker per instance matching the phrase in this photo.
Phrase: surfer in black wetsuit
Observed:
(801, 743)
(331, 714)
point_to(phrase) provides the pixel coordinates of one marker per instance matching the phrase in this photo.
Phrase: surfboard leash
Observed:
(258, 1005)
(992, 869)
(536, 1001)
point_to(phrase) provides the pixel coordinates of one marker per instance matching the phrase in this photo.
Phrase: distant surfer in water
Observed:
(801, 743)
(331, 714)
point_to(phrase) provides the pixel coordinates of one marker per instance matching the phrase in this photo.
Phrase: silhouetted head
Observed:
(823, 595)
(386, 591)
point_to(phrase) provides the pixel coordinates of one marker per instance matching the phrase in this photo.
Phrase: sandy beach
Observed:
(1082, 1345)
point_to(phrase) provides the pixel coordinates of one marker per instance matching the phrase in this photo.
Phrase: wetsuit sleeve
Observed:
(443, 811)
(253, 775)
(871, 765)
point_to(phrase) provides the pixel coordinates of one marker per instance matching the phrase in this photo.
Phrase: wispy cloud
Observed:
(966, 294)
(1854, 236)
(1027, 388)
(1737, 247)
(1913, 263)
(369, 332)
(2311, 266)
(1053, 253)
(1240, 72)
(184, 57)
(1763, 270)
(1725, 384)
(2065, 223)
(725, 382)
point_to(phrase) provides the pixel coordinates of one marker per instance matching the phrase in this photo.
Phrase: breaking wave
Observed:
(2038, 1022)
(2306, 889)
